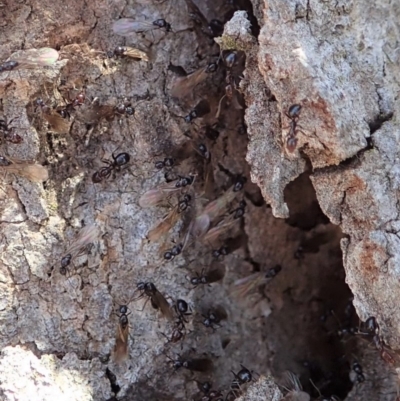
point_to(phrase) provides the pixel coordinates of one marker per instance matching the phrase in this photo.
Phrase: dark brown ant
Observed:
(8, 65)
(157, 300)
(195, 364)
(201, 109)
(293, 114)
(214, 317)
(79, 100)
(120, 160)
(8, 132)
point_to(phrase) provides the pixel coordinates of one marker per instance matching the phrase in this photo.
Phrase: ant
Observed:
(243, 376)
(200, 110)
(175, 250)
(179, 330)
(209, 393)
(120, 160)
(239, 212)
(372, 327)
(69, 107)
(65, 262)
(193, 364)
(121, 342)
(214, 317)
(357, 369)
(168, 162)
(220, 252)
(293, 114)
(181, 309)
(124, 109)
(178, 333)
(184, 181)
(8, 65)
(212, 275)
(157, 300)
(8, 132)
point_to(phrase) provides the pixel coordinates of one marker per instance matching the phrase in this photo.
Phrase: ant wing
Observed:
(216, 273)
(163, 304)
(129, 26)
(33, 58)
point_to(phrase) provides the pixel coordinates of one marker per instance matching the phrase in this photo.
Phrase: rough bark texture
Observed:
(340, 61)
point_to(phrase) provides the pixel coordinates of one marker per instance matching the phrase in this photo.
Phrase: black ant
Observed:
(195, 364)
(124, 109)
(79, 100)
(8, 132)
(157, 300)
(168, 162)
(120, 160)
(121, 342)
(242, 377)
(178, 333)
(212, 275)
(239, 212)
(181, 309)
(174, 251)
(200, 110)
(209, 393)
(220, 252)
(293, 114)
(214, 317)
(8, 65)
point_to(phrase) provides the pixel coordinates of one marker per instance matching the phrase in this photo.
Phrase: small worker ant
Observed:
(120, 160)
(293, 114)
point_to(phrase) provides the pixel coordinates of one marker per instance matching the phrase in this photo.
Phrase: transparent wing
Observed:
(32, 58)
(129, 26)
(33, 172)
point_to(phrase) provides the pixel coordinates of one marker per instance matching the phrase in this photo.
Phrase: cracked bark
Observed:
(338, 59)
